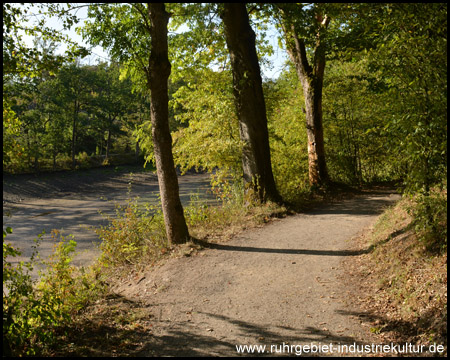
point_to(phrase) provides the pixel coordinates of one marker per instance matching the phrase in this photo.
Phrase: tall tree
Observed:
(292, 19)
(112, 101)
(158, 73)
(76, 84)
(136, 36)
(249, 102)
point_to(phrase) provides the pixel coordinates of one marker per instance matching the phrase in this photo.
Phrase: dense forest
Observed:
(362, 98)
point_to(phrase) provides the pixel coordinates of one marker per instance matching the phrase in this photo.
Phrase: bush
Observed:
(33, 311)
(430, 219)
(83, 160)
(136, 233)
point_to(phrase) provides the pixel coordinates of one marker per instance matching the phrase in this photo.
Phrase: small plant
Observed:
(227, 186)
(33, 310)
(18, 300)
(430, 220)
(83, 160)
(136, 233)
(197, 211)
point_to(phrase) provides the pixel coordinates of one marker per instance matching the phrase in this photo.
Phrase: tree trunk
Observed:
(318, 174)
(137, 151)
(54, 158)
(74, 131)
(311, 78)
(249, 101)
(108, 144)
(36, 162)
(158, 74)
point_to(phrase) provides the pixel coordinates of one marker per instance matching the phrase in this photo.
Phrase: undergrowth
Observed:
(404, 276)
(136, 235)
(36, 311)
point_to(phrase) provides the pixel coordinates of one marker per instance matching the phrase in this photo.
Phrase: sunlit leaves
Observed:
(31, 19)
(11, 132)
(212, 137)
(287, 135)
(414, 64)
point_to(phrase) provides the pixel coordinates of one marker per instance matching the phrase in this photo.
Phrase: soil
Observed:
(279, 285)
(274, 285)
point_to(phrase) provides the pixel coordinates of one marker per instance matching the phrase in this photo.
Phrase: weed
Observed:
(136, 234)
(430, 220)
(34, 311)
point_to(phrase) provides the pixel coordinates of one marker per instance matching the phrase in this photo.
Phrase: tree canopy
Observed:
(363, 95)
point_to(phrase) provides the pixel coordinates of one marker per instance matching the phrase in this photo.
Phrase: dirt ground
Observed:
(274, 285)
(279, 285)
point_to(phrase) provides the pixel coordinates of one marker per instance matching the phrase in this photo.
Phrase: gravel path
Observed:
(274, 285)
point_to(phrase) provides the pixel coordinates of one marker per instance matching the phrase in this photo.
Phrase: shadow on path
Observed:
(283, 251)
(104, 336)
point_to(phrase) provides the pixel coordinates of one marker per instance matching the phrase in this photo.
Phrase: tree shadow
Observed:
(403, 330)
(251, 249)
(184, 339)
(104, 334)
(391, 236)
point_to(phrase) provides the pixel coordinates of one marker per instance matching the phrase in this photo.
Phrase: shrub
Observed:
(430, 219)
(136, 233)
(83, 160)
(33, 310)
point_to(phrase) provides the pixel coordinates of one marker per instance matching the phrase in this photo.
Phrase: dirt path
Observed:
(272, 285)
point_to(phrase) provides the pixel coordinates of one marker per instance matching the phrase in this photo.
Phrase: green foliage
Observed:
(79, 109)
(429, 215)
(353, 126)
(135, 235)
(71, 286)
(33, 313)
(413, 61)
(12, 150)
(210, 136)
(83, 160)
(287, 134)
(227, 187)
(19, 59)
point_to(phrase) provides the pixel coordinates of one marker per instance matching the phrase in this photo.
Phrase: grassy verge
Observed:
(402, 280)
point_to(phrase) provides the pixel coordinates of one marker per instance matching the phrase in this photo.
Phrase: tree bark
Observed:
(108, 143)
(137, 151)
(311, 78)
(249, 102)
(159, 69)
(76, 110)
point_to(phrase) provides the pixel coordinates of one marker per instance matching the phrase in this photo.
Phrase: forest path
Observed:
(281, 283)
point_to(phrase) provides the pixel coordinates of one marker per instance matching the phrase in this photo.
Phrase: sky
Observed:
(278, 59)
